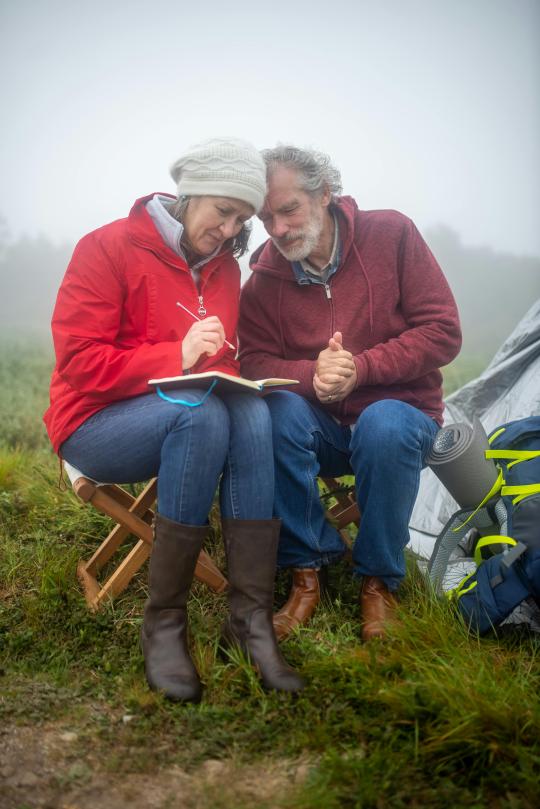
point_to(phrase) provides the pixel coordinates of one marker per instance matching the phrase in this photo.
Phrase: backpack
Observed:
(502, 536)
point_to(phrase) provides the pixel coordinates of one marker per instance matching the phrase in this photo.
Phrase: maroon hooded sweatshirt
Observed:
(389, 298)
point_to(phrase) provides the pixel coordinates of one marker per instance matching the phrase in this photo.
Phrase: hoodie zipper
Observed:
(328, 293)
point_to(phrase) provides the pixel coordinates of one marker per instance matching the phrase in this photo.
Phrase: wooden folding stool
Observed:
(345, 510)
(133, 516)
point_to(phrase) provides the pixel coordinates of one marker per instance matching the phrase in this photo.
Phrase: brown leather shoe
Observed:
(303, 599)
(378, 607)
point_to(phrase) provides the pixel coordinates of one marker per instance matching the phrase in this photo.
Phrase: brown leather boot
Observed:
(168, 664)
(378, 607)
(303, 599)
(251, 547)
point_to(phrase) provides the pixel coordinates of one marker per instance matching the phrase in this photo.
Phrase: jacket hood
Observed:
(268, 259)
(143, 232)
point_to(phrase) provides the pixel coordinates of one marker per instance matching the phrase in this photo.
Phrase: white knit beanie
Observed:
(223, 167)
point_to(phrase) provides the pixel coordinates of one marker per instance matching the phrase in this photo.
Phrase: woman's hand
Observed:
(204, 337)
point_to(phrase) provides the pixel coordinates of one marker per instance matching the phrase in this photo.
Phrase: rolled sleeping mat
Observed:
(458, 459)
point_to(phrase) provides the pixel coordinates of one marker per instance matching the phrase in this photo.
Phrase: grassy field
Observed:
(432, 718)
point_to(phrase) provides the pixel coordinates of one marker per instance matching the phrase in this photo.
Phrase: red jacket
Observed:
(389, 298)
(116, 323)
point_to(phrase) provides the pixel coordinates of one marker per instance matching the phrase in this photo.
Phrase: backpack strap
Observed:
(464, 586)
(521, 492)
(507, 560)
(492, 492)
(516, 456)
(494, 539)
(513, 454)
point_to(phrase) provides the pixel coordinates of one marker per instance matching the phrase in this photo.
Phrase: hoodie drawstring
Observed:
(370, 293)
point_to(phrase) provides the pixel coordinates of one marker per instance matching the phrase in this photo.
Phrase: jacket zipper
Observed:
(328, 293)
(201, 310)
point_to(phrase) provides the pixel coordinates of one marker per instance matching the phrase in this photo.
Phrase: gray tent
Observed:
(508, 389)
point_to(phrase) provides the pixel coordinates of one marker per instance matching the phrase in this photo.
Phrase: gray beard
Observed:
(310, 239)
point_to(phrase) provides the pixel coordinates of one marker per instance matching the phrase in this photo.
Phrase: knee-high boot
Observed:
(251, 547)
(168, 664)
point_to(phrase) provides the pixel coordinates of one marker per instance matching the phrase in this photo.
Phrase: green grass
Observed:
(433, 718)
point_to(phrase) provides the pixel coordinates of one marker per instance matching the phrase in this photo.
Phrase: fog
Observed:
(431, 107)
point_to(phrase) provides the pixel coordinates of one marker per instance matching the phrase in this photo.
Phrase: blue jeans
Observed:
(385, 451)
(188, 448)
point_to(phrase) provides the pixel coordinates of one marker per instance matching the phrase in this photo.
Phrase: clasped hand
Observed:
(204, 337)
(335, 374)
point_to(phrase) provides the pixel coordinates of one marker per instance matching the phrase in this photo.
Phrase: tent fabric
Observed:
(508, 389)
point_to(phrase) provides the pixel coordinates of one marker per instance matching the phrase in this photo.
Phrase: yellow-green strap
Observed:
(493, 491)
(513, 454)
(521, 492)
(495, 539)
(460, 589)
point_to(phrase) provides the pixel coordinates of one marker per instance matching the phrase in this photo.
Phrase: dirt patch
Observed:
(42, 767)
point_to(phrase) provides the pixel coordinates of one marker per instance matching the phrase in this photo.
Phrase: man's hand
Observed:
(204, 337)
(327, 392)
(334, 360)
(335, 375)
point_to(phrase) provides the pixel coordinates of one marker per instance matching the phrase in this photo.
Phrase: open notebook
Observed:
(224, 382)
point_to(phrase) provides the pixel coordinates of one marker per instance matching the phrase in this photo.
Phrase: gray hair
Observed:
(315, 169)
(238, 245)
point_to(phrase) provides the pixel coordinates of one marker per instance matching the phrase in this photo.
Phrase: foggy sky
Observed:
(431, 107)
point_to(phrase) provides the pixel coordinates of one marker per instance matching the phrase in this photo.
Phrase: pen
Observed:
(181, 305)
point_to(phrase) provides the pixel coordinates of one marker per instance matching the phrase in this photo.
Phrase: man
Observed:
(352, 304)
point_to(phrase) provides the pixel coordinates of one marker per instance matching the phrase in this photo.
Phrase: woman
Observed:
(156, 295)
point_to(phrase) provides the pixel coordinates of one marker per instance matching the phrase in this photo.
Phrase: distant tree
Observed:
(30, 274)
